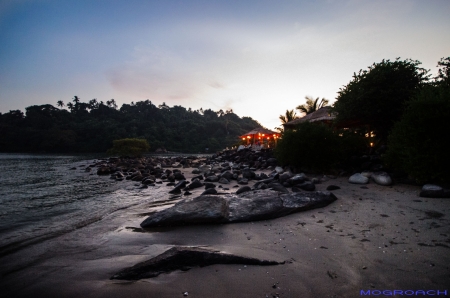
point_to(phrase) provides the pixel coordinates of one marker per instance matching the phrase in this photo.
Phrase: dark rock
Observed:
(195, 184)
(212, 178)
(179, 176)
(224, 181)
(296, 189)
(278, 187)
(187, 193)
(284, 177)
(180, 184)
(147, 181)
(243, 189)
(434, 191)
(209, 185)
(227, 175)
(308, 186)
(248, 174)
(333, 187)
(297, 179)
(184, 258)
(199, 177)
(243, 181)
(248, 206)
(175, 191)
(209, 191)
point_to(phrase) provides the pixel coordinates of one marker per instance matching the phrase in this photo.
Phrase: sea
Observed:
(46, 196)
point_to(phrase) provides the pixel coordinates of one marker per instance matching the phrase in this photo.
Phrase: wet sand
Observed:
(372, 238)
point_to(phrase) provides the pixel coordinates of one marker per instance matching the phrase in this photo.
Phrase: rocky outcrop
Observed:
(184, 258)
(247, 206)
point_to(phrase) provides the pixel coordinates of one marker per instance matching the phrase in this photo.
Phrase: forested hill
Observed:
(91, 127)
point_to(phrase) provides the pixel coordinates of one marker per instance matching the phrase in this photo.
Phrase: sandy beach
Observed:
(372, 238)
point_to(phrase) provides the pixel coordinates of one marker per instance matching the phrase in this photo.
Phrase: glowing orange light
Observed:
(263, 134)
(248, 137)
(243, 139)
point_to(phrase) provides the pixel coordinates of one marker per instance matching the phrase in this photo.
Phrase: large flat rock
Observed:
(185, 258)
(248, 206)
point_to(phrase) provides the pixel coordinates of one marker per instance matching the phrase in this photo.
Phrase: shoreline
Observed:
(372, 238)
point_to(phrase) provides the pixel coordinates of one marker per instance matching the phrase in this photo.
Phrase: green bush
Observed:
(129, 147)
(418, 143)
(351, 144)
(311, 146)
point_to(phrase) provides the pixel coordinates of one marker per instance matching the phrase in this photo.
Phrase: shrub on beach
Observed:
(129, 147)
(418, 143)
(312, 146)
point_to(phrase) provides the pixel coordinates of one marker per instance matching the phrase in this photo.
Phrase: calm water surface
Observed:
(41, 197)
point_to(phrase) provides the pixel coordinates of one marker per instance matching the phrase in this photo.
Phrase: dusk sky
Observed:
(257, 57)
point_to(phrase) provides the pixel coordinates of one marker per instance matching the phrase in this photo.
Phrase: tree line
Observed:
(92, 126)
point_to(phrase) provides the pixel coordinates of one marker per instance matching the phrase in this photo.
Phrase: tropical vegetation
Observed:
(92, 126)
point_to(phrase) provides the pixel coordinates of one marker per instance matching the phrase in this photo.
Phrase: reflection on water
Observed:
(41, 197)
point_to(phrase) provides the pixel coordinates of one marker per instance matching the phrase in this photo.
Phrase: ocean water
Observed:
(42, 198)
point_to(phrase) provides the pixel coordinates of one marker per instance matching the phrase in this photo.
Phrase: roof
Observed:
(322, 114)
(260, 130)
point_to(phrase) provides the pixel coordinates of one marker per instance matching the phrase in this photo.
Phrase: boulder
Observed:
(278, 187)
(358, 179)
(284, 177)
(243, 181)
(179, 176)
(228, 208)
(227, 175)
(279, 170)
(209, 185)
(434, 191)
(308, 186)
(381, 178)
(243, 189)
(224, 181)
(184, 258)
(199, 177)
(212, 178)
(333, 187)
(195, 184)
(297, 179)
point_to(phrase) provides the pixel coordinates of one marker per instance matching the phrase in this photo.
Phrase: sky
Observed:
(258, 58)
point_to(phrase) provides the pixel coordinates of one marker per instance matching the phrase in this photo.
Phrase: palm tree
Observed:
(76, 99)
(289, 116)
(93, 104)
(312, 105)
(70, 106)
(60, 103)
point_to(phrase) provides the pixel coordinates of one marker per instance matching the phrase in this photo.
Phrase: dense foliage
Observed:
(129, 147)
(310, 146)
(377, 97)
(92, 127)
(418, 144)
